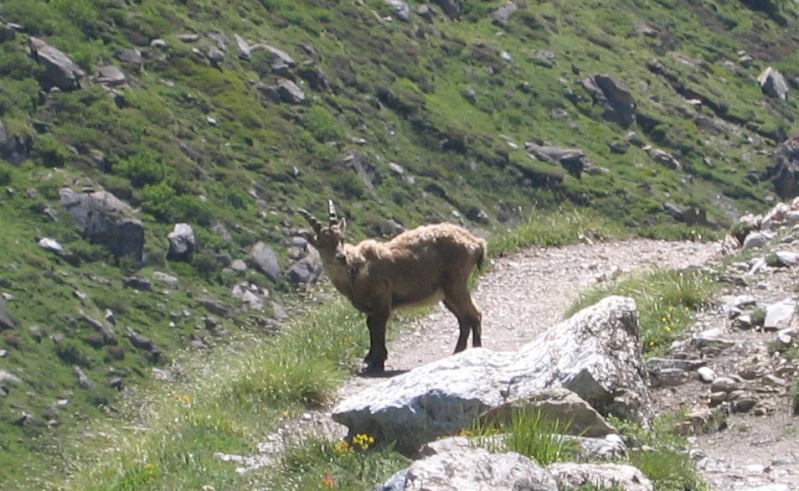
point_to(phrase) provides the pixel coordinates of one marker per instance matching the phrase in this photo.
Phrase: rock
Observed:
(215, 55)
(181, 242)
(14, 149)
(129, 57)
(83, 380)
(50, 245)
(600, 476)
(451, 8)
(60, 70)
(783, 172)
(111, 75)
(556, 404)
(756, 240)
(143, 343)
(266, 261)
(402, 9)
(594, 354)
(779, 315)
(105, 331)
(281, 62)
(616, 99)
(664, 158)
(238, 266)
(137, 283)
(723, 384)
(306, 270)
(773, 84)
(501, 15)
(243, 47)
(5, 319)
(290, 92)
(463, 468)
(167, 279)
(706, 374)
(572, 159)
(106, 220)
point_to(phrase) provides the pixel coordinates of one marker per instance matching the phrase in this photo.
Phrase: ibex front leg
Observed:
(376, 358)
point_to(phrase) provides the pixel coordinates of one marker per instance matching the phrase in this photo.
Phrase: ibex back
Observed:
(423, 266)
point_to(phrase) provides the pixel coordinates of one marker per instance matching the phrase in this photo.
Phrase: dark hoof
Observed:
(374, 368)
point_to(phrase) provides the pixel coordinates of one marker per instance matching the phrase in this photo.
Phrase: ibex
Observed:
(418, 267)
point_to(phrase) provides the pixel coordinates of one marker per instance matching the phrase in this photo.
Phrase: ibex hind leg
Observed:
(459, 302)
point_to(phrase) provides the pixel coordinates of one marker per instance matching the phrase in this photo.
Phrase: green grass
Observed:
(660, 454)
(528, 432)
(667, 302)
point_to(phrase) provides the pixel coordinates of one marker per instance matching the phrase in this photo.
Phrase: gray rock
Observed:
(14, 149)
(129, 57)
(616, 99)
(181, 242)
(238, 266)
(706, 374)
(723, 384)
(83, 380)
(281, 62)
(105, 219)
(756, 240)
(594, 354)
(167, 279)
(60, 70)
(266, 261)
(600, 476)
(501, 15)
(50, 245)
(111, 75)
(779, 315)
(215, 55)
(462, 468)
(451, 8)
(106, 331)
(243, 47)
(401, 8)
(141, 284)
(556, 404)
(306, 270)
(773, 84)
(290, 92)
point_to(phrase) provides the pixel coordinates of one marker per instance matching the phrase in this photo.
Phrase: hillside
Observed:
(121, 118)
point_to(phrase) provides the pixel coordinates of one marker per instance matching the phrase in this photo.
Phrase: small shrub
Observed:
(49, 152)
(73, 352)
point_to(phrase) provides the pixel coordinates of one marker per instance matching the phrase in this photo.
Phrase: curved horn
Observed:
(333, 214)
(315, 224)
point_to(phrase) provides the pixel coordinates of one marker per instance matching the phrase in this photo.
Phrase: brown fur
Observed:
(419, 267)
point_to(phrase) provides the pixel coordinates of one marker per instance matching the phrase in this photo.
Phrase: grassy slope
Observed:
(398, 86)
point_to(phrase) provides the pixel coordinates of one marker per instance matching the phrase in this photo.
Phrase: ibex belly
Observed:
(402, 302)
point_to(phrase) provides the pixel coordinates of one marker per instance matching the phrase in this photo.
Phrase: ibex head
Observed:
(330, 239)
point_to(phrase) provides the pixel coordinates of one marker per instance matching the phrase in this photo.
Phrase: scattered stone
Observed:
(181, 242)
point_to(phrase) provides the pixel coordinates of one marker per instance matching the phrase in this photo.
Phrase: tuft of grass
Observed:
(318, 463)
(529, 432)
(667, 301)
(660, 454)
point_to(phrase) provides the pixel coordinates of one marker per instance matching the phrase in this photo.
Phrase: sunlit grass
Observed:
(528, 432)
(553, 229)
(667, 302)
(228, 403)
(660, 454)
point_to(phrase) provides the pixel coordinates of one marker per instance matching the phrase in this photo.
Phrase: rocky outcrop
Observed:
(773, 84)
(613, 96)
(14, 149)
(181, 242)
(60, 71)
(105, 219)
(784, 169)
(594, 354)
